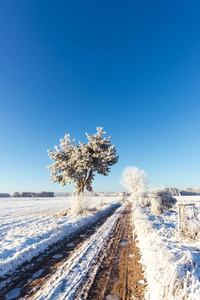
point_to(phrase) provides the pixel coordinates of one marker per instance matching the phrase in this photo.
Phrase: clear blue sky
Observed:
(132, 67)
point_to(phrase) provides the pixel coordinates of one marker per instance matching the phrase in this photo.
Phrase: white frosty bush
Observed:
(156, 206)
(135, 181)
(141, 201)
(193, 228)
(166, 195)
(144, 201)
(78, 204)
(190, 226)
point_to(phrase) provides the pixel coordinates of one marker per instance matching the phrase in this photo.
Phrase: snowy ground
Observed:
(85, 260)
(190, 199)
(30, 225)
(172, 263)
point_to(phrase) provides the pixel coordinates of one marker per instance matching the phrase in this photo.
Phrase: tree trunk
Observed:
(83, 182)
(81, 190)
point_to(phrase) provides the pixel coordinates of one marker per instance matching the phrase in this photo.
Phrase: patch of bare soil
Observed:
(121, 275)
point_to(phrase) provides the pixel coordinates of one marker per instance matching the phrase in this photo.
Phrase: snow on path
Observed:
(65, 282)
(29, 226)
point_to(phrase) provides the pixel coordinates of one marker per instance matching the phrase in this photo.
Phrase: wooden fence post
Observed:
(182, 220)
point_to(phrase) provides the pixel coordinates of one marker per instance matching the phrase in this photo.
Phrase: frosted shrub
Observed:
(189, 226)
(135, 181)
(166, 195)
(156, 206)
(78, 204)
(141, 201)
(193, 229)
(147, 201)
(144, 201)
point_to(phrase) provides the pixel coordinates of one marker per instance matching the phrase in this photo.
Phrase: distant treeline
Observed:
(190, 191)
(60, 194)
(171, 190)
(184, 192)
(27, 194)
(4, 195)
(94, 194)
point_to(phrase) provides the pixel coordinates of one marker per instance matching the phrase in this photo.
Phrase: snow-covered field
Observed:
(190, 199)
(30, 225)
(172, 263)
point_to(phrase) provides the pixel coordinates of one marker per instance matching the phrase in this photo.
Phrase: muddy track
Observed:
(27, 277)
(120, 275)
(113, 275)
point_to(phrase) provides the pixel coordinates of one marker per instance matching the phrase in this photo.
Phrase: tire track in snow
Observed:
(121, 274)
(69, 277)
(22, 285)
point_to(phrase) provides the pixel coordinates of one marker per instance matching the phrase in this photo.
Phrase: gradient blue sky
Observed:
(132, 67)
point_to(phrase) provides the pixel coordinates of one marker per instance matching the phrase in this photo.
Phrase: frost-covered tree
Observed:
(135, 181)
(78, 163)
(16, 194)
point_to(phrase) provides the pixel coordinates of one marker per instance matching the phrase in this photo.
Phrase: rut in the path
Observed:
(121, 274)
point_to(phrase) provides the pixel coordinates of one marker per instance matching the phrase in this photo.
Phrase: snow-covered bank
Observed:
(29, 226)
(172, 265)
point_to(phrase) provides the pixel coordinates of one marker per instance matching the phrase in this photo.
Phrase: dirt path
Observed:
(121, 275)
(115, 274)
(36, 272)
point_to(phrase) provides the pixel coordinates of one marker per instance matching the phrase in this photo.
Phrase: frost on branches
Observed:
(135, 181)
(78, 163)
